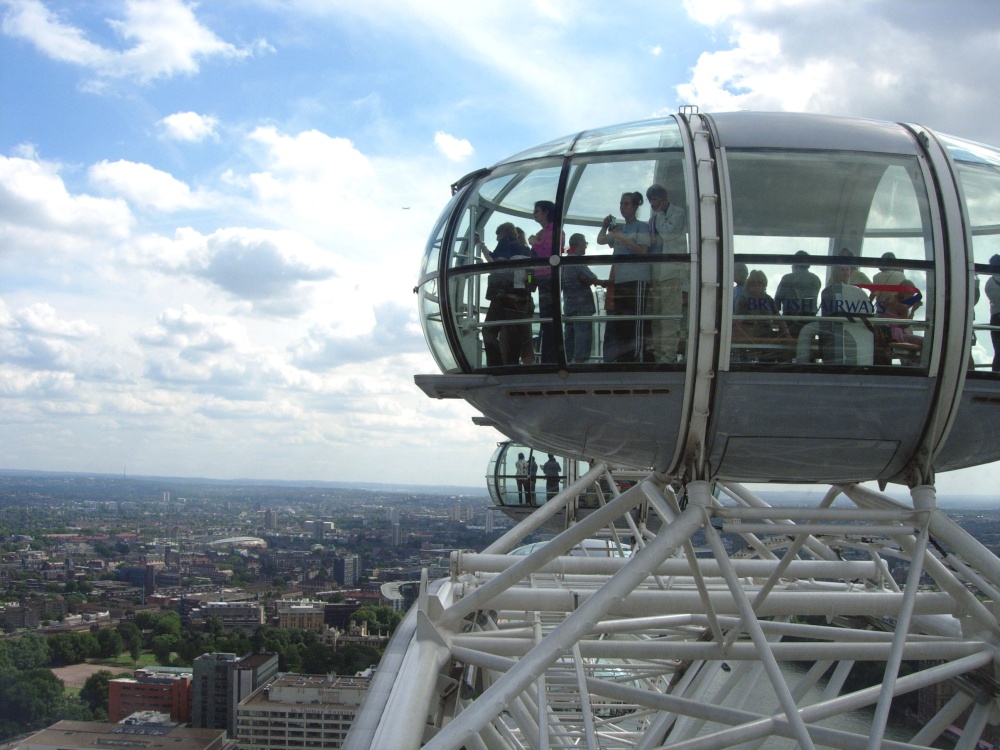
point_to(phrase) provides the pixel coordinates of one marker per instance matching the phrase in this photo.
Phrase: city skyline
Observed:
(212, 216)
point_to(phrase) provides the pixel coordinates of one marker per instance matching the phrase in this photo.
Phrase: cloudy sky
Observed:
(212, 214)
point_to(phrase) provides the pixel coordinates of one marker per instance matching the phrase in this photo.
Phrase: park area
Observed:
(75, 675)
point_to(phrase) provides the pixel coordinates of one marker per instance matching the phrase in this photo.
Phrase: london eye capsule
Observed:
(693, 293)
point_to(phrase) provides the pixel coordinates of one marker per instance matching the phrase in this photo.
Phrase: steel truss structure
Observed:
(726, 623)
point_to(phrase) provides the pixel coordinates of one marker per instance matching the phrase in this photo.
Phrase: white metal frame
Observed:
(683, 648)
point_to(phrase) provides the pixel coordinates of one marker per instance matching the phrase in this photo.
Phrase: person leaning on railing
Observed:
(509, 300)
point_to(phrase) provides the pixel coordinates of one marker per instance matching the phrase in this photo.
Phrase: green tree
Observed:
(354, 658)
(30, 651)
(145, 620)
(29, 700)
(192, 645)
(73, 710)
(130, 633)
(110, 643)
(379, 618)
(214, 626)
(94, 693)
(163, 646)
(168, 624)
(63, 649)
(317, 658)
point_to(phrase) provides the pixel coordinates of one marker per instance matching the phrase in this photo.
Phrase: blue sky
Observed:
(205, 261)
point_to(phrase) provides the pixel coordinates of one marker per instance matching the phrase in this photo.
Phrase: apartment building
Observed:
(304, 614)
(164, 689)
(296, 711)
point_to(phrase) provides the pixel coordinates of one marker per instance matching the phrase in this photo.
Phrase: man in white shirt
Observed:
(668, 291)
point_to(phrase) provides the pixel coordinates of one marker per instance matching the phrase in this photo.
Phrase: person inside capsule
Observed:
(901, 305)
(667, 297)
(625, 339)
(797, 294)
(543, 247)
(849, 330)
(509, 300)
(759, 335)
(740, 273)
(578, 301)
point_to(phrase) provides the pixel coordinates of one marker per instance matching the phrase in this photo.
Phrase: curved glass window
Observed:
(651, 134)
(833, 260)
(979, 174)
(495, 276)
(429, 299)
(520, 476)
(519, 295)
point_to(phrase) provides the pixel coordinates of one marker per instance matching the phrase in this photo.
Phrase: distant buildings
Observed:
(248, 616)
(296, 711)
(87, 735)
(270, 519)
(304, 614)
(347, 570)
(164, 689)
(189, 603)
(30, 612)
(221, 681)
(320, 529)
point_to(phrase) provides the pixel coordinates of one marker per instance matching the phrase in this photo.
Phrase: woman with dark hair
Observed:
(542, 246)
(509, 300)
(625, 340)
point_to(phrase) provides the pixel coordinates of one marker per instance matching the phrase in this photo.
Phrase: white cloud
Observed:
(165, 39)
(268, 269)
(142, 185)
(189, 126)
(16, 382)
(33, 195)
(36, 339)
(931, 63)
(189, 330)
(30, 19)
(41, 319)
(396, 332)
(456, 149)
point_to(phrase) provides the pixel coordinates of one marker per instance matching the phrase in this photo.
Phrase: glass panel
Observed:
(506, 314)
(432, 251)
(659, 134)
(432, 323)
(518, 474)
(627, 208)
(429, 304)
(494, 470)
(554, 147)
(981, 186)
(986, 341)
(807, 321)
(584, 293)
(812, 208)
(979, 173)
(494, 310)
(512, 471)
(506, 219)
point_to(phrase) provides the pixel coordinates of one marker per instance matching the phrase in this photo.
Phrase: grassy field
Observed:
(124, 661)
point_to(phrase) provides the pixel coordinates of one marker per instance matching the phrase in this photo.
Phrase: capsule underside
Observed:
(883, 372)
